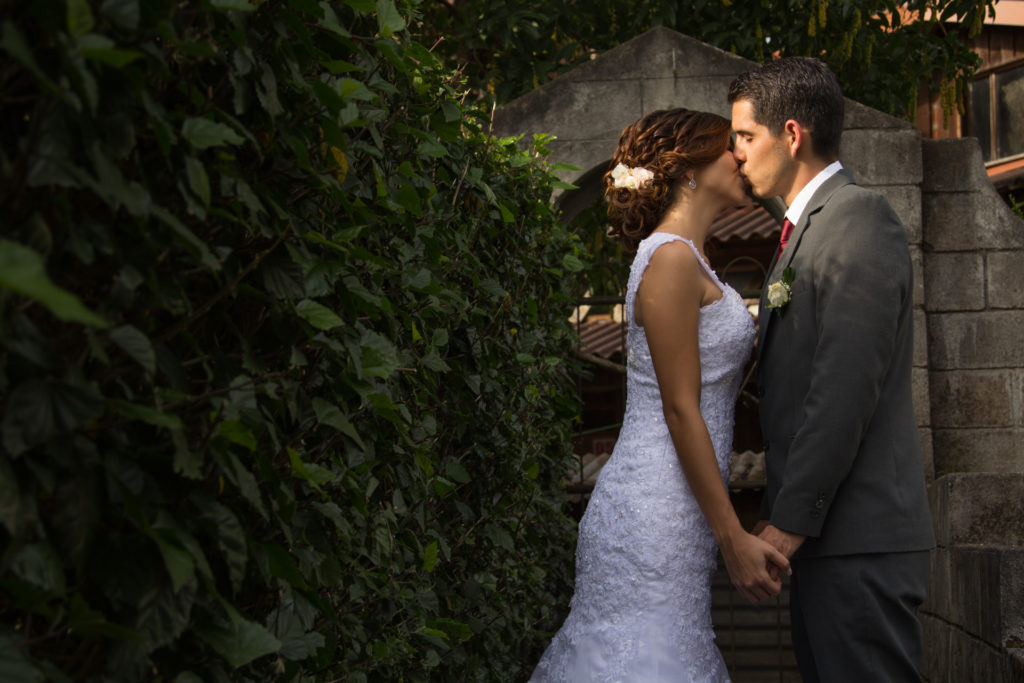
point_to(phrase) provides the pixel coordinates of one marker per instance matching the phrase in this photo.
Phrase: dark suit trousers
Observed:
(854, 617)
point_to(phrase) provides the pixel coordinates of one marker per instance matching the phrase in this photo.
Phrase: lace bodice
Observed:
(645, 555)
(725, 336)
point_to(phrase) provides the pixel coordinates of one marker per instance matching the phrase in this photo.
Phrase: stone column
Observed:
(973, 251)
(974, 298)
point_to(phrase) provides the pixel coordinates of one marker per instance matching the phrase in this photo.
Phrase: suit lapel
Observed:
(781, 261)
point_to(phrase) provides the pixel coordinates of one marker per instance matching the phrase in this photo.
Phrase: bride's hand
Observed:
(754, 566)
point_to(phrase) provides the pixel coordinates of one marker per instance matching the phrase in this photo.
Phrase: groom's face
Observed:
(763, 158)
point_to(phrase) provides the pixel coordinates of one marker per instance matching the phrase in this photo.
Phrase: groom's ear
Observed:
(796, 137)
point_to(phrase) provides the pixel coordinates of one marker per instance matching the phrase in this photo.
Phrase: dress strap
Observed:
(657, 239)
(643, 256)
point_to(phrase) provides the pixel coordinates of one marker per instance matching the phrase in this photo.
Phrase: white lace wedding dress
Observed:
(641, 610)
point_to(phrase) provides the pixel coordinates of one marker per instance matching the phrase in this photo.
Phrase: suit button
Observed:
(819, 504)
(766, 446)
(760, 391)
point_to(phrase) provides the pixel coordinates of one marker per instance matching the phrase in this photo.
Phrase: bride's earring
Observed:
(693, 184)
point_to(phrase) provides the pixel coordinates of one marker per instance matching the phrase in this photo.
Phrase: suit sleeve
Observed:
(861, 278)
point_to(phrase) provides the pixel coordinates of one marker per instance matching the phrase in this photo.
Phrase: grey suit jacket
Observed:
(842, 449)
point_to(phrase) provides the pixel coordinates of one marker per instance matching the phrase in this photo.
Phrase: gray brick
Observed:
(989, 339)
(927, 458)
(919, 389)
(1005, 281)
(935, 662)
(952, 165)
(917, 264)
(857, 115)
(954, 281)
(703, 94)
(938, 602)
(882, 157)
(920, 338)
(978, 450)
(965, 221)
(987, 590)
(980, 509)
(938, 501)
(971, 398)
(1017, 394)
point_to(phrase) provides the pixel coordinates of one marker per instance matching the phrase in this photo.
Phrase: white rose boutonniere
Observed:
(780, 292)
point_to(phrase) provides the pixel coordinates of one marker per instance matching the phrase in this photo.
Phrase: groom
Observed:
(846, 493)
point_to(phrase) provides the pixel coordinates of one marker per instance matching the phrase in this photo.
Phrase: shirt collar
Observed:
(796, 209)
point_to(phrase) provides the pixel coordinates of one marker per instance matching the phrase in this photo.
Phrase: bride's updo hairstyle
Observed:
(669, 144)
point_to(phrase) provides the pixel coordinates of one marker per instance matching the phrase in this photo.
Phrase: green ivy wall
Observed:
(284, 358)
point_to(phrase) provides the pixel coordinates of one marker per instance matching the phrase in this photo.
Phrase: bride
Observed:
(641, 610)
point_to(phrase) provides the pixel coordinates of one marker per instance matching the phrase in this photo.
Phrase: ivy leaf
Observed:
(350, 88)
(379, 356)
(572, 263)
(457, 472)
(123, 13)
(388, 18)
(79, 17)
(318, 315)
(39, 409)
(233, 5)
(430, 556)
(360, 5)
(162, 613)
(198, 180)
(187, 236)
(283, 278)
(296, 643)
(137, 345)
(241, 642)
(235, 431)
(311, 472)
(15, 44)
(244, 480)
(231, 540)
(451, 627)
(88, 622)
(102, 49)
(283, 566)
(433, 361)
(202, 133)
(15, 667)
(22, 271)
(179, 563)
(39, 564)
(266, 91)
(329, 414)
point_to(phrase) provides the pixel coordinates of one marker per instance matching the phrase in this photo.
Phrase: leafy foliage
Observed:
(284, 352)
(882, 51)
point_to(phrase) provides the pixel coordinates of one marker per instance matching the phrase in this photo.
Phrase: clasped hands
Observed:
(754, 562)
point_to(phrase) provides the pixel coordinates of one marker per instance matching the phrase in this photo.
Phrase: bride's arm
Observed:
(668, 304)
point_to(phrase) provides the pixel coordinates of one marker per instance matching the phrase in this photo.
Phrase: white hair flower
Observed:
(631, 178)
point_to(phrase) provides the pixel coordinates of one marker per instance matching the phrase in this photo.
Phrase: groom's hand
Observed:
(784, 541)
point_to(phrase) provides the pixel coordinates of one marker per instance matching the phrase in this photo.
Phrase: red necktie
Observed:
(787, 230)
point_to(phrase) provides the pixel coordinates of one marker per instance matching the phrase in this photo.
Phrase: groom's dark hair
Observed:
(798, 88)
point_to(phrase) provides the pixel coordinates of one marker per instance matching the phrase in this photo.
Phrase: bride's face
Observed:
(724, 178)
